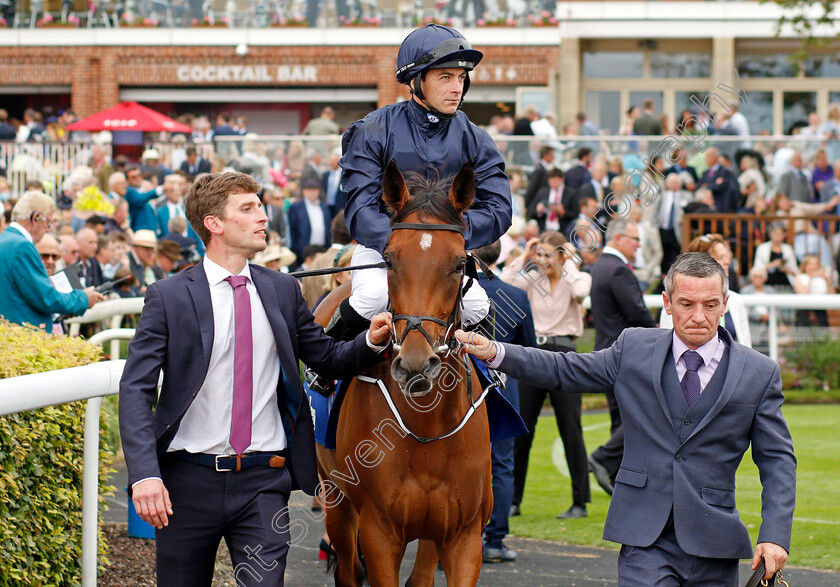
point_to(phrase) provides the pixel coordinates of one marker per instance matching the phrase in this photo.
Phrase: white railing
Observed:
(110, 311)
(92, 383)
(773, 302)
(49, 163)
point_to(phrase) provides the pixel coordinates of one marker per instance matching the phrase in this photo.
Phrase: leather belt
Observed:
(564, 340)
(234, 463)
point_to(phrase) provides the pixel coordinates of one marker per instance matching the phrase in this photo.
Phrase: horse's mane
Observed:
(429, 198)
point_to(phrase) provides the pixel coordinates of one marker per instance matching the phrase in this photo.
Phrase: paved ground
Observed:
(540, 564)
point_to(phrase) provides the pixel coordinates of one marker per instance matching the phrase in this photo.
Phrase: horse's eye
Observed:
(388, 263)
(460, 265)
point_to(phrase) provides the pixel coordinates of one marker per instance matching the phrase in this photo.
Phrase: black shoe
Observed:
(602, 476)
(514, 511)
(498, 555)
(346, 323)
(317, 383)
(576, 511)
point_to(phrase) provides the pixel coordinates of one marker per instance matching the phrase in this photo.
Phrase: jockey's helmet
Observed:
(434, 47)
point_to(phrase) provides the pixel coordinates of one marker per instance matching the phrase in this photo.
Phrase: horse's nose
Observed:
(404, 369)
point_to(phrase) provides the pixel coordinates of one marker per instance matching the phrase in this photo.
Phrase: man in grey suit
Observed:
(795, 183)
(692, 401)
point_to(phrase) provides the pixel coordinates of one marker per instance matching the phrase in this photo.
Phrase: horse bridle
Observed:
(413, 322)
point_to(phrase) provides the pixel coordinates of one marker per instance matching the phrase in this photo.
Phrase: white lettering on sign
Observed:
(246, 73)
(119, 123)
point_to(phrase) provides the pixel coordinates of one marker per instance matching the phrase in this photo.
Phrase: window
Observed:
(767, 65)
(604, 110)
(797, 106)
(822, 66)
(759, 112)
(612, 64)
(680, 64)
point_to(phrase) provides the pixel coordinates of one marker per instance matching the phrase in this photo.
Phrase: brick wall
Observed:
(96, 74)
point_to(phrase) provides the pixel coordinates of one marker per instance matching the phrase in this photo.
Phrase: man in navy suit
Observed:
(309, 220)
(692, 402)
(195, 163)
(335, 196)
(721, 182)
(513, 323)
(231, 433)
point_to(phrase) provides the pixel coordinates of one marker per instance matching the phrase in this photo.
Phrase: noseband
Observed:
(416, 322)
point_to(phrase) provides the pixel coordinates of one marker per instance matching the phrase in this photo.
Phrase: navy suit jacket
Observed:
(726, 192)
(300, 230)
(617, 301)
(202, 165)
(175, 334)
(340, 194)
(694, 477)
(514, 321)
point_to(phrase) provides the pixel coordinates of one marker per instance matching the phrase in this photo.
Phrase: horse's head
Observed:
(426, 260)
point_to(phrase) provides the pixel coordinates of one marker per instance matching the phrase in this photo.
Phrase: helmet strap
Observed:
(417, 90)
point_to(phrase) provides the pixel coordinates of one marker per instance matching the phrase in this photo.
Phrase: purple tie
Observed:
(243, 369)
(691, 380)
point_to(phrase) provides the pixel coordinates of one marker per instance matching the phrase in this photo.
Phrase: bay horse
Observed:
(419, 468)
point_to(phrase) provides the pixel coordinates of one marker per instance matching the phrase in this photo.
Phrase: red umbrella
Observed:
(129, 116)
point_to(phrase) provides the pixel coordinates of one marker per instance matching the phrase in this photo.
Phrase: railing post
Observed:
(90, 492)
(773, 333)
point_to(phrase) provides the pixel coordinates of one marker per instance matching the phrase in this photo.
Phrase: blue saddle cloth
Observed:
(504, 419)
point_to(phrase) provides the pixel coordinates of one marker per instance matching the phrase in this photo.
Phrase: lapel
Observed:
(737, 356)
(661, 353)
(199, 289)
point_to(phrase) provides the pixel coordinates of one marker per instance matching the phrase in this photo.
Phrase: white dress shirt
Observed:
(712, 353)
(22, 230)
(205, 427)
(317, 235)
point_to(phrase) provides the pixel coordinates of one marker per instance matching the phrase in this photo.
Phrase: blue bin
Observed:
(137, 528)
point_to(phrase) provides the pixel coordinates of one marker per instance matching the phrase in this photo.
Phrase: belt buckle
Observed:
(541, 340)
(218, 470)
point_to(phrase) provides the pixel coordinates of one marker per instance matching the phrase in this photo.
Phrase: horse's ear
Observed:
(394, 192)
(462, 193)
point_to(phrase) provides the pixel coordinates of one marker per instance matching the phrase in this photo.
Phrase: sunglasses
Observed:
(49, 257)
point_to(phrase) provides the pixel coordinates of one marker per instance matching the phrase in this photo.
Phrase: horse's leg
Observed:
(382, 549)
(461, 557)
(423, 573)
(343, 528)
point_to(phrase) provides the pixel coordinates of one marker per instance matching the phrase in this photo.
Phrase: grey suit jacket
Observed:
(694, 478)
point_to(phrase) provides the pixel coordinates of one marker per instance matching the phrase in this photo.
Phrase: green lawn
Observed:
(816, 528)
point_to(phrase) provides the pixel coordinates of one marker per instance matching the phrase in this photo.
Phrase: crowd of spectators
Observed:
(126, 218)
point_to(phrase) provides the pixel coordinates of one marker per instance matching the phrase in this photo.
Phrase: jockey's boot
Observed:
(345, 324)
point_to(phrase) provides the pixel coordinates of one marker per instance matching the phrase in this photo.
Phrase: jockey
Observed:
(428, 135)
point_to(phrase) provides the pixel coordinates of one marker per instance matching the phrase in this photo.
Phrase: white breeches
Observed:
(370, 290)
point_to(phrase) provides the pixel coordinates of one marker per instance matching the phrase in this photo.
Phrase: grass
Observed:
(816, 528)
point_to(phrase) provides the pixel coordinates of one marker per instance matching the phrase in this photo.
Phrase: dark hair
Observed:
(556, 172)
(208, 197)
(95, 221)
(429, 198)
(191, 150)
(132, 169)
(583, 152)
(311, 251)
(545, 150)
(338, 230)
(489, 253)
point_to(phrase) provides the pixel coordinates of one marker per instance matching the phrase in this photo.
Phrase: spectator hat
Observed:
(145, 238)
(170, 249)
(150, 154)
(311, 184)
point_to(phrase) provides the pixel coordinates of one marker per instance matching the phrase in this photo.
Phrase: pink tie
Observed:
(243, 369)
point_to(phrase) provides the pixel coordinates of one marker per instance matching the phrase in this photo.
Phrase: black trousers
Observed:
(670, 248)
(248, 509)
(611, 453)
(567, 413)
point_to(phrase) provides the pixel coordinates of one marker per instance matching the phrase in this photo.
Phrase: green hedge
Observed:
(41, 467)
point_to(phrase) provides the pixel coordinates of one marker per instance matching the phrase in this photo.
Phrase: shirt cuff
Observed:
(498, 358)
(133, 485)
(374, 347)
